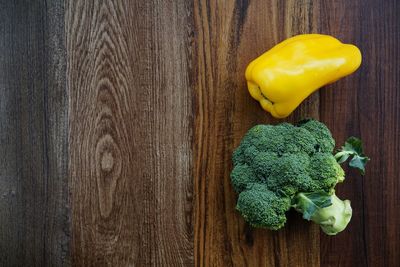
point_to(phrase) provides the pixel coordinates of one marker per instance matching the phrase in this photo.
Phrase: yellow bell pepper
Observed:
(281, 78)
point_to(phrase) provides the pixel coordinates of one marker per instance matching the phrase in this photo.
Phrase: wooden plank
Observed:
(33, 135)
(229, 35)
(367, 105)
(158, 102)
(130, 135)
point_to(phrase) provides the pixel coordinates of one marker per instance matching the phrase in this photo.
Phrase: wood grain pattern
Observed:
(130, 139)
(145, 102)
(367, 105)
(229, 35)
(33, 135)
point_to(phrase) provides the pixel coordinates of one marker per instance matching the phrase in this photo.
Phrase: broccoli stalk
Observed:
(330, 212)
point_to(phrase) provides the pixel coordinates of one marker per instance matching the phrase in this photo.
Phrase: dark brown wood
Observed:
(145, 102)
(366, 104)
(33, 135)
(130, 132)
(229, 35)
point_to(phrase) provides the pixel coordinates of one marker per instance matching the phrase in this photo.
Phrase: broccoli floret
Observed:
(241, 176)
(261, 206)
(281, 173)
(283, 166)
(325, 171)
(321, 133)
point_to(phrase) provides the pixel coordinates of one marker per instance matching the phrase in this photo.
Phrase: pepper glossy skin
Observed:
(281, 78)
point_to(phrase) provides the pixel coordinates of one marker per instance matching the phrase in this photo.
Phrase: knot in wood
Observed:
(107, 161)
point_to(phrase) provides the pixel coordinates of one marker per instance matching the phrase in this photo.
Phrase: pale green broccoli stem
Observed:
(333, 219)
(332, 214)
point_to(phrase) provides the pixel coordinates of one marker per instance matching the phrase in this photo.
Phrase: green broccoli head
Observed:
(274, 164)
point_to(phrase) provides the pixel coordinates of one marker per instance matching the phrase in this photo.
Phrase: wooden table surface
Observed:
(118, 120)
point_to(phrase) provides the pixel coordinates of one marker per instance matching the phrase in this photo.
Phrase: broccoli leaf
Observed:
(309, 203)
(359, 163)
(353, 148)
